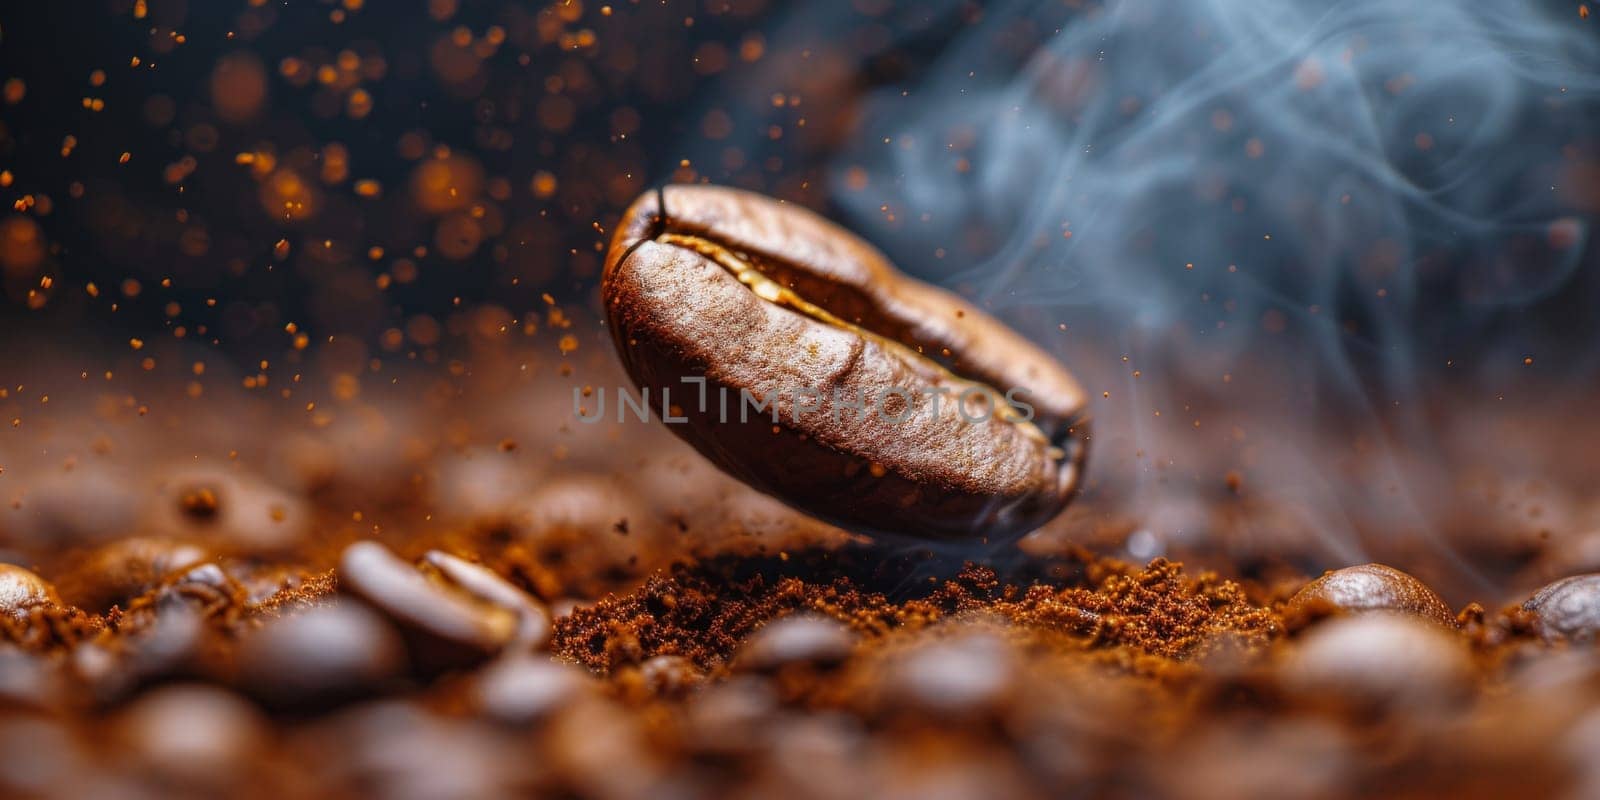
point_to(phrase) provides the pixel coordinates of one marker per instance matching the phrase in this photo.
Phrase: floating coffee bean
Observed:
(21, 590)
(323, 654)
(533, 620)
(445, 628)
(886, 399)
(1370, 587)
(1568, 608)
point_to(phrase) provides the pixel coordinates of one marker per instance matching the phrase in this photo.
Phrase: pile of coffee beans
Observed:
(843, 669)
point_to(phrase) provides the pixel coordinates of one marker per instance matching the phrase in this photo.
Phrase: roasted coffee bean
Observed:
(21, 590)
(1568, 608)
(732, 718)
(800, 639)
(196, 736)
(533, 619)
(1369, 587)
(970, 674)
(522, 689)
(123, 570)
(444, 627)
(403, 750)
(169, 644)
(768, 299)
(238, 509)
(670, 675)
(323, 654)
(1382, 659)
(27, 681)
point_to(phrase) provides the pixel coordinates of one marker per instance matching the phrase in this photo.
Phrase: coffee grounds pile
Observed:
(703, 612)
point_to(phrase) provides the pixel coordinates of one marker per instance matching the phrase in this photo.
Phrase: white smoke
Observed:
(1298, 221)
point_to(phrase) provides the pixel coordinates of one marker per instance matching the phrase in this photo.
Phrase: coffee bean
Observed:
(1568, 608)
(670, 676)
(533, 619)
(969, 674)
(596, 748)
(580, 509)
(205, 584)
(21, 590)
(754, 295)
(481, 487)
(800, 639)
(1382, 659)
(43, 758)
(1369, 587)
(118, 572)
(521, 689)
(195, 736)
(324, 654)
(731, 718)
(1294, 758)
(27, 681)
(444, 628)
(399, 749)
(83, 506)
(169, 644)
(242, 510)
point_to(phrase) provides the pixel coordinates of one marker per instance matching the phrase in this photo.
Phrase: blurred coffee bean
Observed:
(169, 643)
(973, 768)
(78, 507)
(198, 737)
(205, 584)
(587, 534)
(533, 619)
(324, 654)
(237, 509)
(21, 590)
(1380, 660)
(444, 628)
(397, 749)
(524, 689)
(967, 674)
(1369, 587)
(731, 719)
(42, 758)
(1568, 608)
(27, 681)
(799, 639)
(670, 676)
(1284, 760)
(677, 479)
(596, 748)
(118, 572)
(582, 515)
(366, 452)
(815, 756)
(482, 487)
